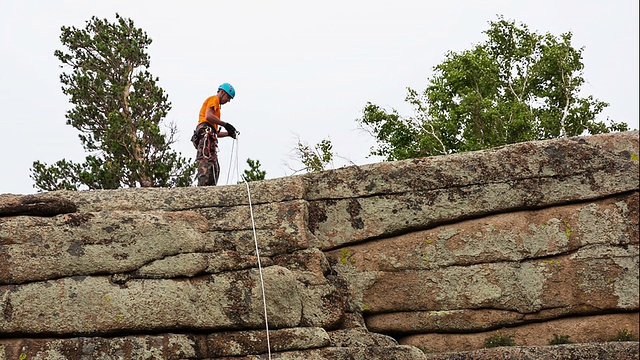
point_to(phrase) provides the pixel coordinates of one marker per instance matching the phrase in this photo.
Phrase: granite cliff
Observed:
(415, 259)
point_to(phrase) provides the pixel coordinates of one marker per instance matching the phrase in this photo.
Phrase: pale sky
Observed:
(301, 69)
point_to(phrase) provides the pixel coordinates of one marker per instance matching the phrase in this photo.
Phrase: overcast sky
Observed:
(301, 69)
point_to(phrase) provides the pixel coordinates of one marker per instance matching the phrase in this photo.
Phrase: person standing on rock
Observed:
(205, 136)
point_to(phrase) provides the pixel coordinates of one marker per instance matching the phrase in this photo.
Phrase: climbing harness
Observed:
(205, 140)
(255, 240)
(208, 137)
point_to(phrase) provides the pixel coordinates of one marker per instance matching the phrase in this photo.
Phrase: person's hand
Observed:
(231, 130)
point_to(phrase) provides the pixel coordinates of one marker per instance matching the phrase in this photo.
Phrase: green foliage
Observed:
(499, 339)
(624, 335)
(345, 257)
(560, 339)
(118, 109)
(315, 158)
(517, 86)
(254, 173)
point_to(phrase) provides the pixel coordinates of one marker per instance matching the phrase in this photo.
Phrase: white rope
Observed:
(233, 144)
(255, 240)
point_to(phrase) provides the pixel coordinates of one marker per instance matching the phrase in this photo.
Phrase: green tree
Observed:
(118, 109)
(517, 86)
(254, 173)
(314, 158)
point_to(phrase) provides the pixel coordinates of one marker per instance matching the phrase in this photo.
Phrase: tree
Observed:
(254, 173)
(118, 108)
(517, 86)
(314, 158)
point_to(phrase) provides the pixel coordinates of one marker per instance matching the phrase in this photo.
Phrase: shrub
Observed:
(623, 335)
(560, 339)
(499, 340)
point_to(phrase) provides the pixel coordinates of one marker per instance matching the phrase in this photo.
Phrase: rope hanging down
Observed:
(255, 240)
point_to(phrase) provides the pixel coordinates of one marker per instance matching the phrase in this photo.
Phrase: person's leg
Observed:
(207, 159)
(205, 173)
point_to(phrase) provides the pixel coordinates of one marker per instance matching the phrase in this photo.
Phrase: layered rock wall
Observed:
(412, 259)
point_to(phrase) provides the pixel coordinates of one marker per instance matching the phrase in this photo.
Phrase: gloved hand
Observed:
(231, 130)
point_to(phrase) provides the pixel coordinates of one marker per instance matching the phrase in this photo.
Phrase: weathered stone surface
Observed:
(193, 264)
(534, 238)
(310, 265)
(624, 144)
(359, 338)
(174, 347)
(178, 199)
(597, 328)
(341, 222)
(108, 242)
(593, 351)
(400, 352)
(255, 342)
(592, 278)
(12, 205)
(95, 305)
(322, 305)
(513, 236)
(112, 242)
(280, 227)
(421, 193)
(445, 320)
(470, 256)
(168, 347)
(616, 154)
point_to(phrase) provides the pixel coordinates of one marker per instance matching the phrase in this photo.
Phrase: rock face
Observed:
(428, 258)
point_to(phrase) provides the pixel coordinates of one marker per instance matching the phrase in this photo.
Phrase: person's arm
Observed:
(212, 119)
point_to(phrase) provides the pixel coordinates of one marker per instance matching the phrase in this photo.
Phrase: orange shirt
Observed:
(211, 102)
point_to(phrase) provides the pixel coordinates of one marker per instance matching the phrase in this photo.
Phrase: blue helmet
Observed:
(228, 89)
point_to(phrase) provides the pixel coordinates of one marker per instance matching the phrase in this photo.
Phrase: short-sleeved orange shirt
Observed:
(211, 102)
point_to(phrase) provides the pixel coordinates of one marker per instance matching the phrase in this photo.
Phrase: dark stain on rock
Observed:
(634, 209)
(5, 259)
(35, 205)
(371, 186)
(227, 244)
(240, 295)
(626, 154)
(123, 256)
(427, 198)
(110, 229)
(353, 209)
(76, 249)
(77, 219)
(556, 156)
(120, 279)
(317, 215)
(7, 312)
(6, 241)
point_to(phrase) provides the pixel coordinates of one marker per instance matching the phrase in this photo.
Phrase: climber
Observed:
(205, 136)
